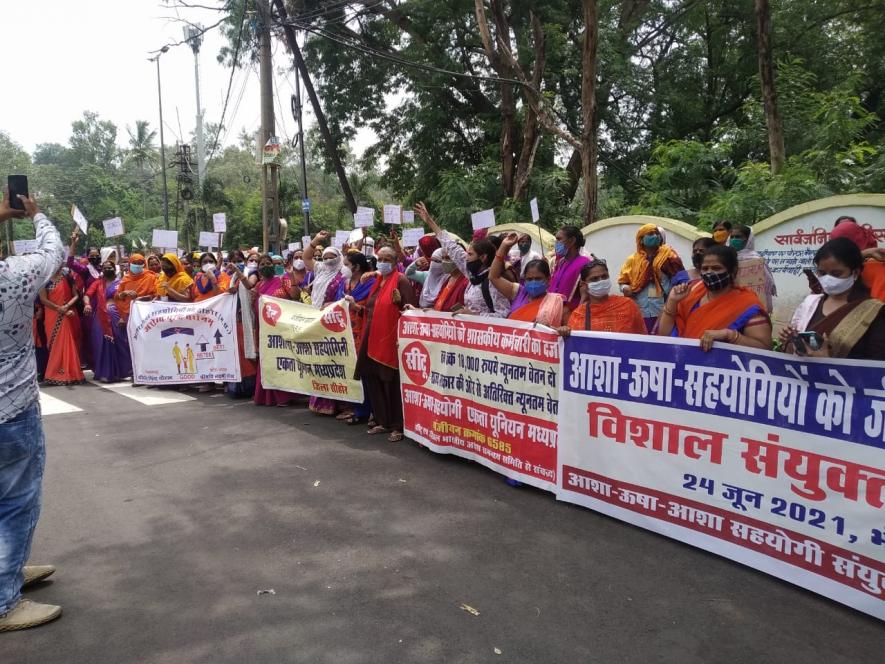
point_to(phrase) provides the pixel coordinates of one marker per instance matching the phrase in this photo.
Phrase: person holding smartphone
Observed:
(22, 451)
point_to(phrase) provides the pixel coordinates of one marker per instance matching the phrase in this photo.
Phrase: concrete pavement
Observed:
(166, 520)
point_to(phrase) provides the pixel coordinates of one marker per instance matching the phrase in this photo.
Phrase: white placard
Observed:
(79, 219)
(393, 214)
(164, 239)
(209, 239)
(364, 219)
(219, 222)
(113, 227)
(411, 236)
(294, 246)
(482, 219)
(341, 238)
(366, 210)
(408, 217)
(306, 240)
(24, 246)
(355, 236)
(536, 216)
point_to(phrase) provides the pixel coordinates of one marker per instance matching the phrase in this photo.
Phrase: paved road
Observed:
(166, 519)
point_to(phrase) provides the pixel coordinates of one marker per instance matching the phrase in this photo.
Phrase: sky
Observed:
(93, 55)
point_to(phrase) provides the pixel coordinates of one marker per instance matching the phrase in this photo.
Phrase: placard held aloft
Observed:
(113, 227)
(482, 219)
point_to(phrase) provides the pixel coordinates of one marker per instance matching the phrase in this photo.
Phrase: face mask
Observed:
(651, 241)
(474, 266)
(298, 264)
(599, 288)
(169, 271)
(560, 249)
(737, 243)
(836, 285)
(525, 247)
(266, 271)
(448, 267)
(208, 267)
(697, 260)
(716, 281)
(330, 262)
(95, 260)
(720, 237)
(136, 269)
(535, 288)
(279, 270)
(252, 265)
(347, 273)
(241, 266)
(385, 268)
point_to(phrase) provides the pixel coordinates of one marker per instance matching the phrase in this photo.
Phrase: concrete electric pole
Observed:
(194, 37)
(270, 208)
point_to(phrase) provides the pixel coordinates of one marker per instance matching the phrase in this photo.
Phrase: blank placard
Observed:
(482, 219)
(219, 222)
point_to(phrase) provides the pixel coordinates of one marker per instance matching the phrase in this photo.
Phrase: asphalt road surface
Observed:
(168, 515)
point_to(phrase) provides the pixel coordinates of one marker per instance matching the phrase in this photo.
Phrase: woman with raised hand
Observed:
(600, 311)
(480, 297)
(378, 357)
(531, 300)
(844, 320)
(715, 309)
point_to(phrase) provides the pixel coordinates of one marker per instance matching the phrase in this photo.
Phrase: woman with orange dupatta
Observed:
(138, 282)
(378, 357)
(714, 309)
(58, 299)
(530, 301)
(647, 274)
(600, 311)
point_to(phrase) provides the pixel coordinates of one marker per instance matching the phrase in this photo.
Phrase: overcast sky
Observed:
(93, 55)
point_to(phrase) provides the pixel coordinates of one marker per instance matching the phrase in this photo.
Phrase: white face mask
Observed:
(599, 288)
(252, 265)
(298, 265)
(385, 268)
(836, 285)
(331, 262)
(346, 272)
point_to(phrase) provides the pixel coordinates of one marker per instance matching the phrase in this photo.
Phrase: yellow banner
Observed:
(308, 350)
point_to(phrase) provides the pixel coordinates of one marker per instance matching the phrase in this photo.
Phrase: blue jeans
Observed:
(22, 457)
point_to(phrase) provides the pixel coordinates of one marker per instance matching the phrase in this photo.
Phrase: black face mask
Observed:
(474, 266)
(95, 260)
(267, 271)
(697, 260)
(169, 271)
(524, 248)
(716, 281)
(109, 273)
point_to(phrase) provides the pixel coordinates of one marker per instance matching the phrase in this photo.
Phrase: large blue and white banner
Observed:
(769, 459)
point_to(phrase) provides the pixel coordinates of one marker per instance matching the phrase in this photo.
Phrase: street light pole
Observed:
(162, 142)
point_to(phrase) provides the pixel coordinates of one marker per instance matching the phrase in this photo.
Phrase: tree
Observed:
(769, 92)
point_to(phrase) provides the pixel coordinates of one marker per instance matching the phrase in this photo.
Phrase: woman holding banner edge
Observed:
(715, 309)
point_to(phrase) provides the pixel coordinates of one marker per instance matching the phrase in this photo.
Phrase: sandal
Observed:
(395, 436)
(376, 430)
(346, 415)
(354, 420)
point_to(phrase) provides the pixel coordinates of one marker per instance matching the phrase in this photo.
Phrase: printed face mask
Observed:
(716, 281)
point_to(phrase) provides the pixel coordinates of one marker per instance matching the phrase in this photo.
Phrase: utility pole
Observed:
(193, 34)
(162, 142)
(331, 148)
(296, 112)
(270, 207)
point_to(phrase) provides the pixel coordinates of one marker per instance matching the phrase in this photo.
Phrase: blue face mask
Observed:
(651, 241)
(560, 249)
(385, 268)
(136, 269)
(241, 266)
(535, 288)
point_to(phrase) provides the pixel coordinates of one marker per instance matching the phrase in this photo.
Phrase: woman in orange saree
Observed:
(600, 311)
(63, 364)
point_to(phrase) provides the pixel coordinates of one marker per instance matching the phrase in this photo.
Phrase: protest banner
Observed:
(113, 227)
(184, 342)
(484, 389)
(308, 350)
(768, 459)
(219, 222)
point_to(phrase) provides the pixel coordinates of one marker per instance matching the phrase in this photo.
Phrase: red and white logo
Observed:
(334, 319)
(416, 362)
(271, 313)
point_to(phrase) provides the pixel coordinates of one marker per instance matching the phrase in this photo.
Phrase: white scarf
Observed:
(434, 282)
(323, 275)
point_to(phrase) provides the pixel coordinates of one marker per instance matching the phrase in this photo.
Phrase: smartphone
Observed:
(812, 339)
(18, 184)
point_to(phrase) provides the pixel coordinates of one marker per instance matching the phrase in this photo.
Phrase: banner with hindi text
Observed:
(308, 350)
(484, 389)
(769, 459)
(184, 342)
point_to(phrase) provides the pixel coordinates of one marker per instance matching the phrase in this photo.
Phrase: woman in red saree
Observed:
(714, 309)
(378, 356)
(600, 311)
(58, 299)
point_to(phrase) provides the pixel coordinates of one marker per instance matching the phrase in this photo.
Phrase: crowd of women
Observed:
(83, 310)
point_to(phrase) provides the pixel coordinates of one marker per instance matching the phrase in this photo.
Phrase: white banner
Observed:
(184, 342)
